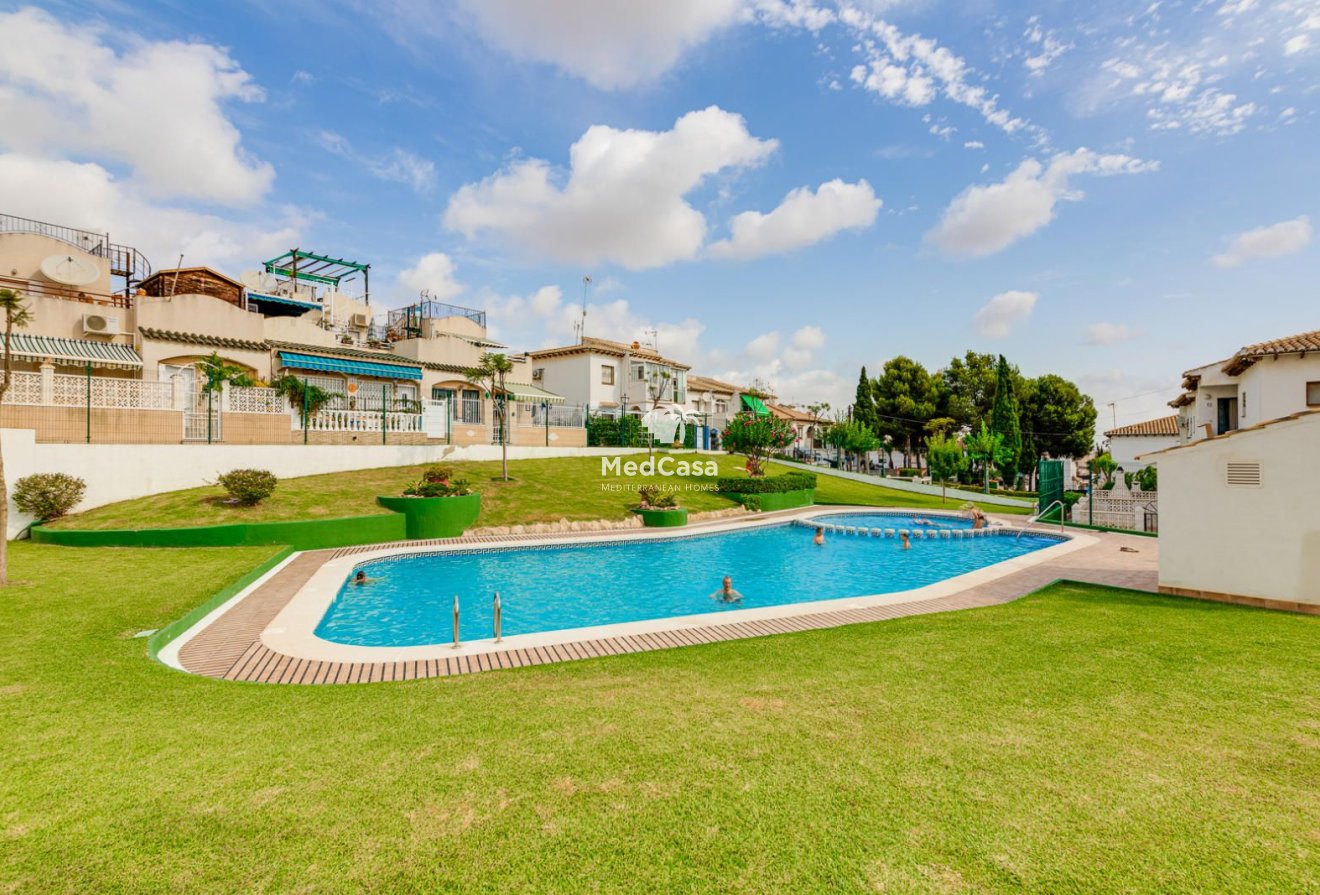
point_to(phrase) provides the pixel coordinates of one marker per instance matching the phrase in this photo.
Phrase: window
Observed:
(1313, 394)
(721, 406)
(639, 372)
(606, 374)
(471, 406)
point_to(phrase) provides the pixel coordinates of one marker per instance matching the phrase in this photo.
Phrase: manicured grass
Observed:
(543, 491)
(1081, 740)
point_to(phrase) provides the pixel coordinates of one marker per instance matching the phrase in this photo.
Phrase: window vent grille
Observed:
(1243, 472)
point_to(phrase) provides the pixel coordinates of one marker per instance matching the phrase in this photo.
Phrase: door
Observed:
(1228, 415)
(435, 417)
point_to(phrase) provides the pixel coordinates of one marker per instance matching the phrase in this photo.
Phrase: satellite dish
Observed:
(70, 271)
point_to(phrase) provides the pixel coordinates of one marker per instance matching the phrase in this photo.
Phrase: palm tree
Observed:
(492, 369)
(16, 314)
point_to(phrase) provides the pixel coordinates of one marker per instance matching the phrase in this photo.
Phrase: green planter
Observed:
(671, 518)
(435, 517)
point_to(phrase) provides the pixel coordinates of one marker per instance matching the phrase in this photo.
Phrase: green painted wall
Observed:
(165, 635)
(310, 534)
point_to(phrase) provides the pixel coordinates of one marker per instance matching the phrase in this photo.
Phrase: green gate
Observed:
(1051, 488)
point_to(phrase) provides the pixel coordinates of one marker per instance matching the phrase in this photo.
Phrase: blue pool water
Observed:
(409, 600)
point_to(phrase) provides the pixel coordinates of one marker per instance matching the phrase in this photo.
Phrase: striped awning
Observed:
(530, 394)
(293, 361)
(755, 405)
(70, 352)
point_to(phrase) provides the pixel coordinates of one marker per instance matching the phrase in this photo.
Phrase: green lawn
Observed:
(1081, 740)
(543, 491)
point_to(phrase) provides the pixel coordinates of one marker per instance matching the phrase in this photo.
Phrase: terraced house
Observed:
(290, 352)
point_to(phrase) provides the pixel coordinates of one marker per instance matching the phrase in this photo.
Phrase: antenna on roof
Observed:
(655, 337)
(581, 325)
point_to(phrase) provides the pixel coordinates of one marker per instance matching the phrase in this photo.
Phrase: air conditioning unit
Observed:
(538, 374)
(100, 324)
(360, 320)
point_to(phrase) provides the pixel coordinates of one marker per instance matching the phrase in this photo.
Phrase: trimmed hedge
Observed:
(771, 484)
(776, 500)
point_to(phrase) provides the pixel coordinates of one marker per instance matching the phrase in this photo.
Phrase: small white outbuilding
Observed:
(1240, 515)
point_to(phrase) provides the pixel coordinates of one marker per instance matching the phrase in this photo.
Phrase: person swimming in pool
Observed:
(907, 544)
(726, 593)
(361, 578)
(819, 539)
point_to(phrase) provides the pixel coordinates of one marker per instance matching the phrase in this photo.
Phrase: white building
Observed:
(611, 377)
(1240, 514)
(1260, 382)
(1127, 443)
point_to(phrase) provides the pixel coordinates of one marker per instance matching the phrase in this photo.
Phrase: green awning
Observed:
(530, 394)
(70, 352)
(261, 297)
(753, 403)
(291, 361)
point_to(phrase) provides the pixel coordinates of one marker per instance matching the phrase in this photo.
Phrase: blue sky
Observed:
(784, 190)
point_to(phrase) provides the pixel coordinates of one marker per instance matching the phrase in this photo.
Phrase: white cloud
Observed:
(789, 369)
(609, 44)
(912, 70)
(156, 107)
(397, 166)
(973, 144)
(764, 348)
(1211, 74)
(1109, 333)
(86, 195)
(432, 273)
(804, 218)
(1273, 241)
(622, 200)
(1296, 44)
(998, 316)
(982, 220)
(1047, 47)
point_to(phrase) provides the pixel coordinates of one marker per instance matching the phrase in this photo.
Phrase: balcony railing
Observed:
(566, 416)
(361, 421)
(43, 289)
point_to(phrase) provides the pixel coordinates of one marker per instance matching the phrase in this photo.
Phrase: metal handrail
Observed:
(1032, 520)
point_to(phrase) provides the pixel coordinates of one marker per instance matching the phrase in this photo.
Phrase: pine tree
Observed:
(1005, 418)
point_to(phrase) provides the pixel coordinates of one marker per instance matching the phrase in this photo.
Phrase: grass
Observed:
(543, 491)
(1081, 740)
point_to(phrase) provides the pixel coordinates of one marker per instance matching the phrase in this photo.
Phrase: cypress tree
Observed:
(1004, 416)
(864, 403)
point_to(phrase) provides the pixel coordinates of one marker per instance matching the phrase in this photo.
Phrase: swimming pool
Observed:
(408, 601)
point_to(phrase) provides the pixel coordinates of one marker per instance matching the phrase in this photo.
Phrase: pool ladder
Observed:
(1032, 520)
(497, 614)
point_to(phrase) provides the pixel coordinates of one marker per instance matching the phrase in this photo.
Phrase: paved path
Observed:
(231, 648)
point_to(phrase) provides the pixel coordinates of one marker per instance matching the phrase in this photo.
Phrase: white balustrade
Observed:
(256, 400)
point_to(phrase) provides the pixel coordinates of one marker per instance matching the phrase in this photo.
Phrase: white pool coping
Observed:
(293, 630)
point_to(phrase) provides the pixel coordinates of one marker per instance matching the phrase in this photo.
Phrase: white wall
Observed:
(1249, 541)
(1275, 387)
(115, 472)
(1126, 448)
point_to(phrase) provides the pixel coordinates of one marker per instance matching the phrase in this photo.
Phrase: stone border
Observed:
(235, 641)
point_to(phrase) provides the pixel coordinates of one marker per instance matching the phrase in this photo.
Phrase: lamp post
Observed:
(545, 411)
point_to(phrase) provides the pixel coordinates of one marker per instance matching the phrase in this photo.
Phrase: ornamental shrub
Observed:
(424, 488)
(775, 484)
(248, 487)
(48, 495)
(655, 498)
(438, 473)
